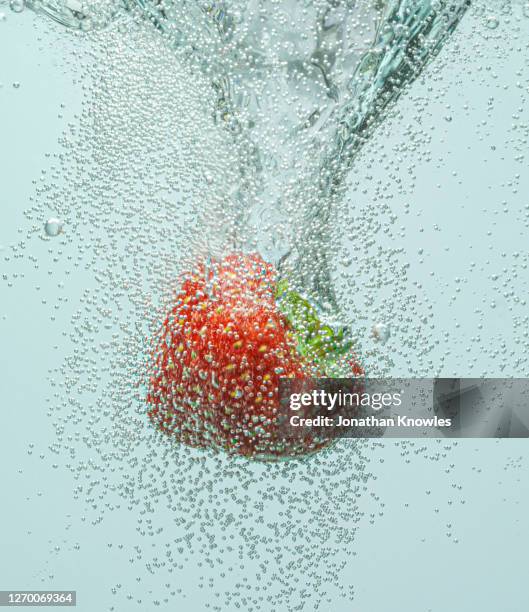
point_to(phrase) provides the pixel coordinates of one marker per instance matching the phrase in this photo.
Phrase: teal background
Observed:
(470, 554)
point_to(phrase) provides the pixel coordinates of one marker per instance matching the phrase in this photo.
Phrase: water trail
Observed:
(299, 87)
(298, 90)
(407, 36)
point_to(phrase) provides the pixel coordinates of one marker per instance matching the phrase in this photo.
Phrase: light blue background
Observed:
(404, 560)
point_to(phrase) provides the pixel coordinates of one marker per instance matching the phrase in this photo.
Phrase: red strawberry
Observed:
(222, 349)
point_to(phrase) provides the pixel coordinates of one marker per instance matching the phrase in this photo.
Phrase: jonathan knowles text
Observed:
(332, 401)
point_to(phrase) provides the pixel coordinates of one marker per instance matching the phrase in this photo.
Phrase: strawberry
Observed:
(233, 331)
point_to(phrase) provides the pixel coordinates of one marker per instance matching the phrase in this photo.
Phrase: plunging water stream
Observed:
(299, 87)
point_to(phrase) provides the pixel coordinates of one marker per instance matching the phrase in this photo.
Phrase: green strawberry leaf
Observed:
(315, 340)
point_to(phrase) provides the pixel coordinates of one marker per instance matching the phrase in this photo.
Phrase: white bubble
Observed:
(17, 6)
(53, 227)
(492, 22)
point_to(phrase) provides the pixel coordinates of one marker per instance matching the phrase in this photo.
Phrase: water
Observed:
(140, 176)
(298, 89)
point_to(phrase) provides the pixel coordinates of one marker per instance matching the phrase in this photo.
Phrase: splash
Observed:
(154, 182)
(296, 89)
(299, 87)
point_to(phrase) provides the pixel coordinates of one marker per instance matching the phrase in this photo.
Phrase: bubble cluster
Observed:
(175, 163)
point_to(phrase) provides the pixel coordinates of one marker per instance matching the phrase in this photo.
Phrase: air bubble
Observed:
(53, 227)
(492, 22)
(17, 6)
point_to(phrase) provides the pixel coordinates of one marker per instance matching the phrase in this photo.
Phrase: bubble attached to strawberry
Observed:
(234, 329)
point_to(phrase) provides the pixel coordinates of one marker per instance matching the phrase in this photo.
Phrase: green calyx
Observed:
(316, 340)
